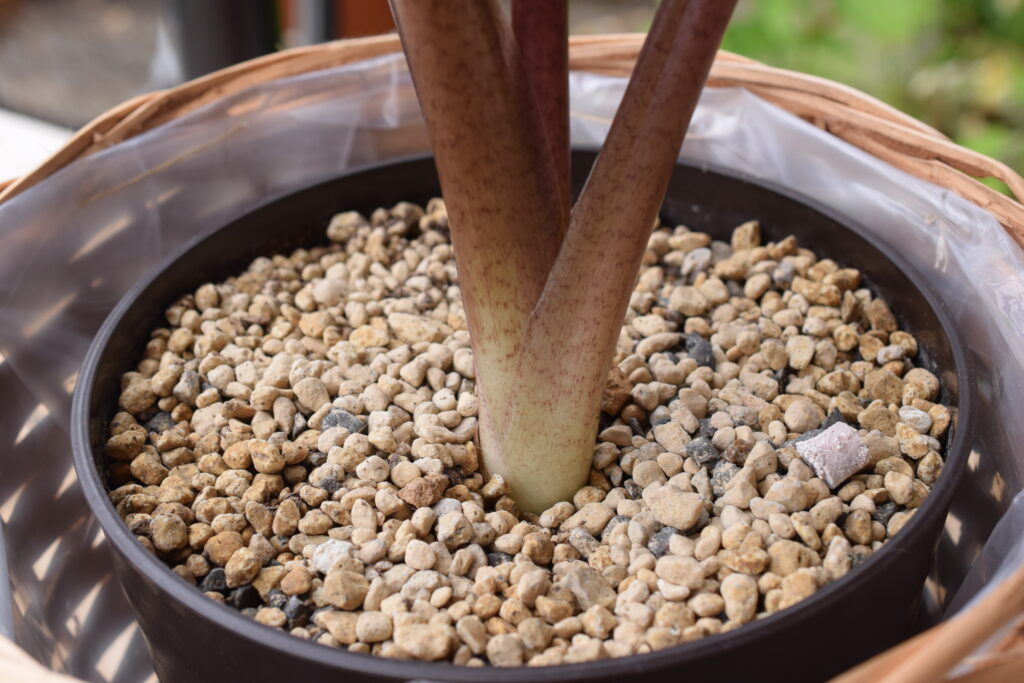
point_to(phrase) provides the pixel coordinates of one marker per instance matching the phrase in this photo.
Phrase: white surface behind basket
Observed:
(26, 142)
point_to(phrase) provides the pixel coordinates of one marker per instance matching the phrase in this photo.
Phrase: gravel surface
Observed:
(298, 443)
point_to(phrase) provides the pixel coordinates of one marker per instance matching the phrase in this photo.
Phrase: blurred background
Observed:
(955, 64)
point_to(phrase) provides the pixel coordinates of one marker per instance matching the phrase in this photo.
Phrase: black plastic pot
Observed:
(194, 639)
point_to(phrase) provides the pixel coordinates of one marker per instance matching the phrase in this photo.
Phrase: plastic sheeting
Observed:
(73, 245)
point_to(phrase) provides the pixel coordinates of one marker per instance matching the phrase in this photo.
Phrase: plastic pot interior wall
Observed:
(192, 638)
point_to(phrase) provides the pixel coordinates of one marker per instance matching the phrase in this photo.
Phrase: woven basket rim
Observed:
(858, 118)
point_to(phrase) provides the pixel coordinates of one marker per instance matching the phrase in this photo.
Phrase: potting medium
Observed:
(342, 551)
(297, 443)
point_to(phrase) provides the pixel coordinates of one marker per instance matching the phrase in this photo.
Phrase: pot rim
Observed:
(280, 641)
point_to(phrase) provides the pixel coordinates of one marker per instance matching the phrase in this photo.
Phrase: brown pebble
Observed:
(617, 392)
(424, 491)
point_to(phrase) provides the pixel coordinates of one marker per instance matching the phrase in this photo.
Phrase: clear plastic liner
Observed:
(1002, 554)
(73, 245)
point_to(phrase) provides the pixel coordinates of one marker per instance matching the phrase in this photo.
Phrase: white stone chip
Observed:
(329, 553)
(836, 454)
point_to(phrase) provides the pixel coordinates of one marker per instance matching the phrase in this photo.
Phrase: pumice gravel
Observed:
(297, 443)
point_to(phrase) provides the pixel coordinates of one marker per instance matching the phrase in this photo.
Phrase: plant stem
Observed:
(544, 437)
(541, 29)
(624, 192)
(545, 311)
(500, 186)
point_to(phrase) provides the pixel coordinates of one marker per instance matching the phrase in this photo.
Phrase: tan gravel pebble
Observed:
(168, 532)
(242, 568)
(373, 627)
(676, 508)
(803, 415)
(426, 642)
(344, 589)
(739, 592)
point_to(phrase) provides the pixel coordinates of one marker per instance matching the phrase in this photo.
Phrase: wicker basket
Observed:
(853, 116)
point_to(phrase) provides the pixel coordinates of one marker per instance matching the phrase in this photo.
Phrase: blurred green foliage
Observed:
(957, 65)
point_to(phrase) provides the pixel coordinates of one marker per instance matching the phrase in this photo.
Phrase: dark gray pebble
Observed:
(342, 418)
(244, 596)
(276, 598)
(160, 423)
(703, 451)
(496, 558)
(455, 477)
(216, 580)
(884, 512)
(722, 474)
(297, 611)
(658, 545)
(699, 349)
(834, 417)
(330, 484)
